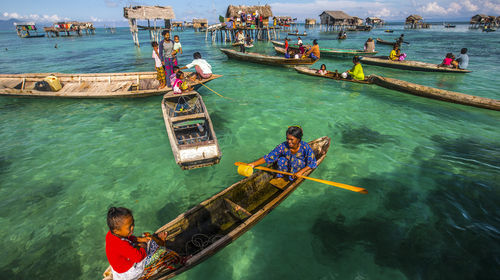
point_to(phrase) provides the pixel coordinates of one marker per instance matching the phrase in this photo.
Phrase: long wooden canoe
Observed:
(190, 130)
(383, 42)
(267, 59)
(297, 34)
(329, 75)
(384, 61)
(216, 222)
(93, 85)
(435, 93)
(327, 52)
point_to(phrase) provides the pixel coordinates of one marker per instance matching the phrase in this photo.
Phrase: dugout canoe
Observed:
(266, 59)
(216, 222)
(329, 75)
(297, 34)
(384, 61)
(92, 85)
(383, 42)
(327, 52)
(434, 93)
(190, 130)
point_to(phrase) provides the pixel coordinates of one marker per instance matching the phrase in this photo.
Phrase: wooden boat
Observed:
(440, 94)
(216, 222)
(384, 61)
(267, 59)
(326, 52)
(93, 85)
(449, 26)
(389, 31)
(330, 75)
(342, 37)
(383, 42)
(297, 34)
(190, 131)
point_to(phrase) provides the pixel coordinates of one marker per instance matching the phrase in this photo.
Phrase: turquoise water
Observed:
(431, 168)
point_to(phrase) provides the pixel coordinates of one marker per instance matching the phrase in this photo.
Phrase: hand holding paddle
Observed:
(247, 170)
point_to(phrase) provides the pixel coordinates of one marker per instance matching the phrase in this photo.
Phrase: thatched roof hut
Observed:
(373, 21)
(478, 18)
(233, 11)
(148, 12)
(356, 21)
(413, 19)
(200, 22)
(335, 18)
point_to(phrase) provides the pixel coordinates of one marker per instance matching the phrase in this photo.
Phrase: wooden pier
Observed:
(220, 33)
(70, 28)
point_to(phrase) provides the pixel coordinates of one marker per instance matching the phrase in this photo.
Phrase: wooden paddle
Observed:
(335, 184)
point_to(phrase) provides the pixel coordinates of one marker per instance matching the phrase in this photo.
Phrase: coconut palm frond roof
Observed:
(337, 14)
(414, 17)
(200, 20)
(265, 11)
(148, 12)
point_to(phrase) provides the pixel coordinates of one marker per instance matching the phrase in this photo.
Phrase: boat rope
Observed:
(215, 91)
(200, 241)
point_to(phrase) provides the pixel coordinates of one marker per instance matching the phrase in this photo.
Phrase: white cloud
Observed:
(492, 7)
(11, 15)
(33, 17)
(469, 6)
(383, 13)
(434, 8)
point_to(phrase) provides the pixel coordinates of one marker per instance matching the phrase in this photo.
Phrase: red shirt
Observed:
(121, 254)
(286, 45)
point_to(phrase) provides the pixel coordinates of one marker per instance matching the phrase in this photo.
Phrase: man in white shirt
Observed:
(203, 68)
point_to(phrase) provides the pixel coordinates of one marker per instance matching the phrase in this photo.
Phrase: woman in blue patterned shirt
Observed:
(293, 155)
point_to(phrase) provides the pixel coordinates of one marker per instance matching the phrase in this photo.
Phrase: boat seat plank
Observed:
(188, 117)
(236, 210)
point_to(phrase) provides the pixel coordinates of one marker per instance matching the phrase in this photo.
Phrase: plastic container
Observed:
(53, 82)
(245, 170)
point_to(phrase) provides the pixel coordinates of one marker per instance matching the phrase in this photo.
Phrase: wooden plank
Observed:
(187, 117)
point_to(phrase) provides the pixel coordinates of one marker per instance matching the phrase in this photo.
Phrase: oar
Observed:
(335, 184)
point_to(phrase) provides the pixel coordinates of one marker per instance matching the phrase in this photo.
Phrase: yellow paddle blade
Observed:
(335, 184)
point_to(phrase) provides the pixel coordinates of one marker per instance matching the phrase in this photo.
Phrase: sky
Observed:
(111, 11)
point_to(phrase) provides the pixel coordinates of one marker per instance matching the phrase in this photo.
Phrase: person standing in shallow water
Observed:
(293, 155)
(167, 55)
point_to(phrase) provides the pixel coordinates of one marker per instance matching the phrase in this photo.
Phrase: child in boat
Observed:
(356, 71)
(322, 70)
(132, 257)
(177, 49)
(160, 71)
(179, 84)
(173, 76)
(449, 61)
(203, 68)
(287, 53)
(396, 53)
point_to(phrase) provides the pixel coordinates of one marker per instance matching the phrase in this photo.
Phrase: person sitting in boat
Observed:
(463, 59)
(288, 53)
(203, 68)
(322, 70)
(449, 61)
(313, 52)
(132, 257)
(179, 84)
(369, 45)
(293, 155)
(302, 50)
(248, 42)
(401, 39)
(356, 72)
(341, 33)
(396, 53)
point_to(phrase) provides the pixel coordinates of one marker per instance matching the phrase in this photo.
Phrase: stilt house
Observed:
(162, 13)
(310, 22)
(415, 22)
(374, 21)
(335, 20)
(200, 24)
(242, 14)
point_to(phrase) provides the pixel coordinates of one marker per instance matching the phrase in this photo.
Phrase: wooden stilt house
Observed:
(27, 30)
(374, 21)
(310, 22)
(69, 28)
(162, 13)
(415, 22)
(334, 20)
(246, 16)
(200, 24)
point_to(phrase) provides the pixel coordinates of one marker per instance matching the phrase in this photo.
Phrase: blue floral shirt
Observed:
(304, 156)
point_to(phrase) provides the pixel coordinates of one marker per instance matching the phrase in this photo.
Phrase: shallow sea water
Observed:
(431, 168)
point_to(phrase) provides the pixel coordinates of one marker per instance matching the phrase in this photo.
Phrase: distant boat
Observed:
(384, 61)
(449, 25)
(389, 31)
(266, 59)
